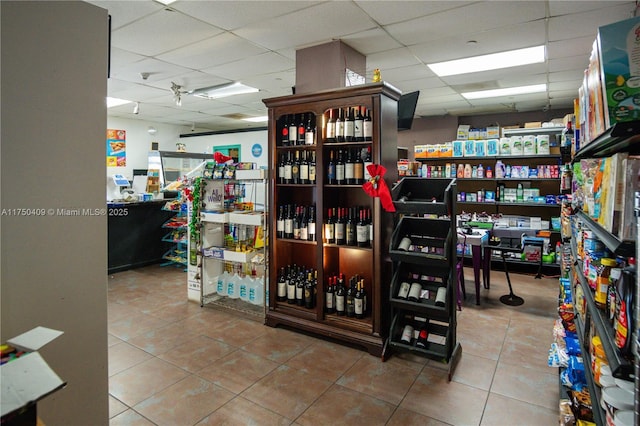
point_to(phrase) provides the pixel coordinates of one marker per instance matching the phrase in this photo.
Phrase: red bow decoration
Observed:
(220, 158)
(188, 194)
(377, 187)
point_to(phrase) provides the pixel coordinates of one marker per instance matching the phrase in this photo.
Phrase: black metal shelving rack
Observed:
(420, 218)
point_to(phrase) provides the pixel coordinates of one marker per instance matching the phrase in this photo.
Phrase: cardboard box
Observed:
(251, 174)
(619, 70)
(28, 378)
(493, 132)
(533, 124)
(463, 132)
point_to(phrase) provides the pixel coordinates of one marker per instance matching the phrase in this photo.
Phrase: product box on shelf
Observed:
(493, 147)
(630, 185)
(469, 148)
(612, 192)
(480, 148)
(463, 132)
(457, 148)
(493, 132)
(26, 376)
(619, 46)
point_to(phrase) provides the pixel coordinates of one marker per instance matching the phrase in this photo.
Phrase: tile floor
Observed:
(172, 362)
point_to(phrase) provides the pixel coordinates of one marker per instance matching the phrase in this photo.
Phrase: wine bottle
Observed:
(291, 286)
(330, 133)
(358, 126)
(359, 301)
(312, 168)
(340, 169)
(351, 295)
(281, 169)
(331, 170)
(280, 223)
(358, 168)
(362, 230)
(349, 169)
(403, 291)
(308, 291)
(300, 288)
(304, 225)
(282, 285)
(284, 133)
(287, 169)
(367, 127)
(340, 126)
(423, 335)
(296, 224)
(349, 123)
(288, 222)
(309, 132)
(295, 169)
(329, 229)
(367, 162)
(293, 130)
(300, 140)
(339, 233)
(311, 224)
(329, 297)
(304, 168)
(350, 229)
(407, 334)
(370, 226)
(340, 296)
(414, 292)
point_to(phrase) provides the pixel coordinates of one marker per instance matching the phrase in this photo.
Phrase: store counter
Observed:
(135, 234)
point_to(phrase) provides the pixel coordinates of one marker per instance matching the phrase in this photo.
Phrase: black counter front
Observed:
(135, 234)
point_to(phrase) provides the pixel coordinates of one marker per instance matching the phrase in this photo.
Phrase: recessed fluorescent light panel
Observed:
(509, 91)
(493, 61)
(166, 2)
(114, 102)
(260, 119)
(223, 90)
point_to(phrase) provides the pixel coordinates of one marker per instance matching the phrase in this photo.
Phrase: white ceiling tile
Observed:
(161, 32)
(189, 81)
(583, 24)
(568, 63)
(158, 70)
(564, 7)
(572, 75)
(390, 59)
(338, 19)
(371, 41)
(138, 92)
(124, 12)
(388, 12)
(122, 58)
(523, 71)
(560, 86)
(252, 66)
(216, 50)
(427, 99)
(579, 46)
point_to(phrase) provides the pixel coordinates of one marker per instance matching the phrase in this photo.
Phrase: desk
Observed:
(478, 241)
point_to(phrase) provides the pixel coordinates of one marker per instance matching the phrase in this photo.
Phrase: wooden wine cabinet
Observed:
(373, 264)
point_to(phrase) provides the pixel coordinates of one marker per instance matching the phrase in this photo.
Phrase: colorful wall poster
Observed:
(116, 148)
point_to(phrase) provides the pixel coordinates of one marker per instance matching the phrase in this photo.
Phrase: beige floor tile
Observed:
(116, 407)
(238, 370)
(474, 371)
(160, 340)
(133, 325)
(532, 385)
(129, 418)
(143, 380)
(123, 356)
(197, 353)
(349, 406)
(240, 412)
(404, 417)
(287, 391)
(279, 345)
(238, 332)
(388, 381)
(329, 359)
(113, 340)
(185, 402)
(451, 402)
(174, 309)
(503, 410)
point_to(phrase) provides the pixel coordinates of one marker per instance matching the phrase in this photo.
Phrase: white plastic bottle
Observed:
(221, 286)
(233, 286)
(246, 284)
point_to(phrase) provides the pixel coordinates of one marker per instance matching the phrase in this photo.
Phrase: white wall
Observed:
(53, 268)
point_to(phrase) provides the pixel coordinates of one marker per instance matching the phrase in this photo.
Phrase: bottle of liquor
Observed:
(351, 295)
(414, 292)
(280, 223)
(358, 168)
(288, 222)
(284, 133)
(329, 297)
(300, 140)
(367, 127)
(300, 288)
(330, 133)
(340, 296)
(308, 291)
(291, 286)
(358, 126)
(287, 169)
(367, 162)
(293, 130)
(312, 168)
(340, 126)
(331, 170)
(350, 229)
(296, 224)
(281, 169)
(362, 230)
(370, 225)
(282, 285)
(349, 169)
(359, 302)
(349, 124)
(311, 224)
(295, 169)
(339, 228)
(329, 229)
(340, 169)
(304, 168)
(304, 228)
(309, 132)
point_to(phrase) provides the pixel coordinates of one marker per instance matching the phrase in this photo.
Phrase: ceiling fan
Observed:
(177, 93)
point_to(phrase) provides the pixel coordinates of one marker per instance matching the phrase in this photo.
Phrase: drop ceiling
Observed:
(204, 43)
